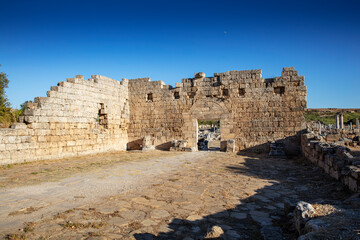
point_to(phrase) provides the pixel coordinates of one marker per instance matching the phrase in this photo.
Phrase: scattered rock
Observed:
(302, 213)
(214, 232)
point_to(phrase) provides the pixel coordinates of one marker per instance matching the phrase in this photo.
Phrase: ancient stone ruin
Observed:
(80, 117)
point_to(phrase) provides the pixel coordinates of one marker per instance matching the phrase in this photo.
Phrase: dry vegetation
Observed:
(328, 115)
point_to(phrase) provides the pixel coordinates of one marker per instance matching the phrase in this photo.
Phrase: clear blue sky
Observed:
(44, 42)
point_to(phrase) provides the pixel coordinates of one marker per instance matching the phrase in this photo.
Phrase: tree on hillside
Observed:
(4, 82)
(6, 113)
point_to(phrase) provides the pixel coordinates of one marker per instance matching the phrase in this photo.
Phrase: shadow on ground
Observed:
(261, 215)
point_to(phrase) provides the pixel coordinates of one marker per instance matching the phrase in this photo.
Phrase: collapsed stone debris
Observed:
(80, 117)
(334, 159)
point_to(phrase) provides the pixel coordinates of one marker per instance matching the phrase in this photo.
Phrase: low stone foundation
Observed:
(334, 159)
(181, 145)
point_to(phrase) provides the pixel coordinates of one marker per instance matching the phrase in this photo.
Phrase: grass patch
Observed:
(94, 234)
(29, 227)
(24, 211)
(330, 117)
(15, 236)
(75, 225)
(173, 179)
(134, 225)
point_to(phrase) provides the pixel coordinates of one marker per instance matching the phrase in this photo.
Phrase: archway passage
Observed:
(209, 135)
(205, 110)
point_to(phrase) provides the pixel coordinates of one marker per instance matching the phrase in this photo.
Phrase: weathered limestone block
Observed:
(335, 160)
(148, 143)
(227, 145)
(18, 126)
(302, 213)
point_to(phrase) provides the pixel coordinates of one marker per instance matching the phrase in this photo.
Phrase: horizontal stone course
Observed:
(258, 116)
(65, 124)
(334, 159)
(81, 116)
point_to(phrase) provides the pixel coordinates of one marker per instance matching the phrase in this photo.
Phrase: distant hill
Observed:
(328, 115)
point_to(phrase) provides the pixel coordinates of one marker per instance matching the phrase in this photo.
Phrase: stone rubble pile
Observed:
(334, 159)
(332, 222)
(181, 145)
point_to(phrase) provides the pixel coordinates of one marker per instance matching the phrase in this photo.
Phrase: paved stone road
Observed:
(29, 203)
(180, 197)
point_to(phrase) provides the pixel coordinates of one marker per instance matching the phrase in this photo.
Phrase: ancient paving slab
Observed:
(29, 203)
(243, 195)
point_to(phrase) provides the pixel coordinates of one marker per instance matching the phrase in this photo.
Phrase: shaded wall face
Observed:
(77, 117)
(252, 110)
(154, 111)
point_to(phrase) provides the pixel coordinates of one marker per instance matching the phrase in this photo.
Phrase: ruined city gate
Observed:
(80, 117)
(205, 109)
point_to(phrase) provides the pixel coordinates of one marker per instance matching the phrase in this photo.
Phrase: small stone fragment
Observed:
(214, 232)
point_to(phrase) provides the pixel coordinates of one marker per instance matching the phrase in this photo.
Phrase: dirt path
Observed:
(177, 197)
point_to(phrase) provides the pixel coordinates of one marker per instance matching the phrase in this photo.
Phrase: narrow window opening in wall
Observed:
(150, 97)
(279, 90)
(102, 118)
(241, 91)
(191, 94)
(176, 95)
(225, 92)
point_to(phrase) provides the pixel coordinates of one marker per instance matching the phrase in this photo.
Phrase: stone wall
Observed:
(154, 112)
(81, 117)
(334, 159)
(252, 110)
(77, 117)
